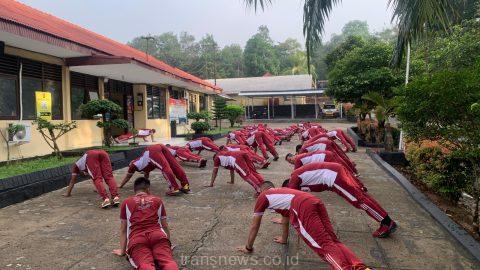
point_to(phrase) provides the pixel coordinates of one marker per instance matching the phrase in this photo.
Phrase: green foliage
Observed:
(440, 172)
(14, 128)
(438, 107)
(343, 49)
(218, 109)
(99, 106)
(109, 111)
(362, 70)
(233, 113)
(200, 127)
(260, 55)
(29, 166)
(52, 132)
(204, 115)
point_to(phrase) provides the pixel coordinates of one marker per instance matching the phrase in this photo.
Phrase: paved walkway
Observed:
(52, 232)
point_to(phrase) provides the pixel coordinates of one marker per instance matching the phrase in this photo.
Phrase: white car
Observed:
(330, 111)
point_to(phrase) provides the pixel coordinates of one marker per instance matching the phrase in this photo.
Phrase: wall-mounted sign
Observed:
(44, 104)
(178, 110)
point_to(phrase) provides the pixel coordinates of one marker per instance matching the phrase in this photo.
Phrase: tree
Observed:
(384, 109)
(363, 70)
(260, 56)
(438, 107)
(52, 132)
(218, 109)
(109, 111)
(209, 52)
(286, 52)
(231, 61)
(356, 28)
(412, 16)
(350, 43)
(233, 113)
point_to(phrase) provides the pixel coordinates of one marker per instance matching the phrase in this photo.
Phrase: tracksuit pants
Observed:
(265, 145)
(247, 171)
(100, 169)
(348, 188)
(161, 162)
(187, 155)
(210, 145)
(346, 140)
(317, 232)
(150, 249)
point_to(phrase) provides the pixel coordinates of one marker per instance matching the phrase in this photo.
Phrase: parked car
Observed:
(330, 111)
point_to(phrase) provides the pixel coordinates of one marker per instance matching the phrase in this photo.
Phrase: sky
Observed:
(230, 21)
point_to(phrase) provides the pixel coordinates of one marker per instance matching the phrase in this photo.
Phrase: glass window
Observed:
(156, 103)
(78, 98)
(56, 89)
(29, 87)
(8, 97)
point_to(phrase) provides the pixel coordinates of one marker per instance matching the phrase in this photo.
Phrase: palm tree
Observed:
(414, 17)
(384, 108)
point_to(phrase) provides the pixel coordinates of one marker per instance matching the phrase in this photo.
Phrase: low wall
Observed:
(23, 187)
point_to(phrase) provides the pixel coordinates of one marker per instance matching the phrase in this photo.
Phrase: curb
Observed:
(467, 241)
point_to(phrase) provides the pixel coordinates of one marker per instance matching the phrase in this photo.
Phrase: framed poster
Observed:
(44, 104)
(178, 110)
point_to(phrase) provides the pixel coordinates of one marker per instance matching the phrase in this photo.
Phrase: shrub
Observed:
(109, 110)
(204, 115)
(440, 171)
(200, 127)
(52, 132)
(233, 113)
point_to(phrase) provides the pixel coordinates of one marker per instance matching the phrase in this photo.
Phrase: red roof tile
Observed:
(24, 15)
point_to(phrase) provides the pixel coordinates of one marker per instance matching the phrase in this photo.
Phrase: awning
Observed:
(227, 97)
(305, 92)
(129, 70)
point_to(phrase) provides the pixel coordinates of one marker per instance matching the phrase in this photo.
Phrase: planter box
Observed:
(19, 188)
(352, 131)
(394, 158)
(211, 136)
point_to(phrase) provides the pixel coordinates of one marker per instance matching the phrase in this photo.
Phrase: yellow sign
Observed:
(44, 105)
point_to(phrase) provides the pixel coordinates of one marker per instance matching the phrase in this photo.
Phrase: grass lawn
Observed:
(23, 167)
(223, 130)
(116, 148)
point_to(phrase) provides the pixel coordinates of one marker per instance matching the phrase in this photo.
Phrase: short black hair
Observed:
(285, 183)
(221, 147)
(167, 145)
(141, 183)
(267, 184)
(298, 147)
(288, 155)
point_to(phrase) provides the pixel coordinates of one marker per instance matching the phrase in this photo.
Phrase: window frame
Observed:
(17, 91)
(156, 96)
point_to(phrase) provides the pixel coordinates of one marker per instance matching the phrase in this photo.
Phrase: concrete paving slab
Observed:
(53, 232)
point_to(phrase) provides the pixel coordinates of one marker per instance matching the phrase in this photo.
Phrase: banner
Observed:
(178, 110)
(44, 105)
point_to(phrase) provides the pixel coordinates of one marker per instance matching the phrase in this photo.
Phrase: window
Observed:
(193, 103)
(36, 76)
(8, 97)
(83, 89)
(175, 93)
(156, 102)
(203, 103)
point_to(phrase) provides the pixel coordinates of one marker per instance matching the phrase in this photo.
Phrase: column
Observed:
(268, 107)
(316, 107)
(291, 107)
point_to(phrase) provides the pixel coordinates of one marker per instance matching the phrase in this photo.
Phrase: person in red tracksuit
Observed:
(237, 161)
(256, 158)
(318, 156)
(144, 233)
(159, 157)
(237, 136)
(96, 163)
(201, 144)
(311, 132)
(324, 143)
(345, 139)
(260, 140)
(308, 215)
(185, 155)
(323, 176)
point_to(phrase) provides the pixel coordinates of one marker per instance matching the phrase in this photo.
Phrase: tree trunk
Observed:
(56, 149)
(475, 215)
(388, 138)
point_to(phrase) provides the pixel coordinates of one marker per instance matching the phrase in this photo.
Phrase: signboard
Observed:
(178, 110)
(44, 104)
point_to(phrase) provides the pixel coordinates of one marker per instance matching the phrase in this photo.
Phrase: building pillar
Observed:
(268, 108)
(316, 107)
(140, 112)
(291, 107)
(101, 88)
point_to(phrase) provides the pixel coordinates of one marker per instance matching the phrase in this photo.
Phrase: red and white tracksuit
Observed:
(309, 217)
(147, 242)
(184, 154)
(154, 158)
(241, 163)
(237, 136)
(311, 132)
(257, 159)
(324, 143)
(321, 156)
(344, 138)
(202, 143)
(322, 176)
(97, 164)
(259, 139)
